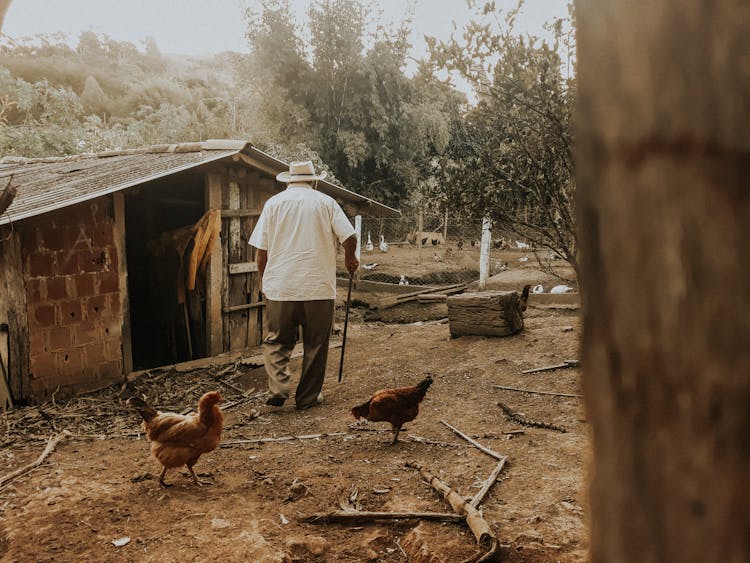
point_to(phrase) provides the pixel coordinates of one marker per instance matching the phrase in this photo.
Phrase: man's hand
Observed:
(350, 254)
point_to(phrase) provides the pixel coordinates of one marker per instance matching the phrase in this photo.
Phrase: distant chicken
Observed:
(368, 246)
(523, 302)
(396, 406)
(178, 439)
(383, 244)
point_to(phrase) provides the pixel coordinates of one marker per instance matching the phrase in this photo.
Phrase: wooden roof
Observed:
(46, 184)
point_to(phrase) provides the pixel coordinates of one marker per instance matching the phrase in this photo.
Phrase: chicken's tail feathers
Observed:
(144, 409)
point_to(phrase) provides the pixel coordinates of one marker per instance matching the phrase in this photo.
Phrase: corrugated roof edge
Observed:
(209, 145)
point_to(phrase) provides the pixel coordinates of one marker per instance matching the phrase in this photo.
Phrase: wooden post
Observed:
(358, 252)
(119, 228)
(445, 227)
(662, 168)
(484, 253)
(420, 226)
(214, 274)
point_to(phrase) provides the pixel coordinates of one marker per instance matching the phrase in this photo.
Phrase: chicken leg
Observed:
(161, 479)
(195, 477)
(395, 430)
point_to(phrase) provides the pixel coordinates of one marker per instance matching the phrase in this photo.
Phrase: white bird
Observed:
(561, 289)
(383, 244)
(368, 246)
(370, 265)
(403, 280)
(537, 289)
(523, 259)
(523, 245)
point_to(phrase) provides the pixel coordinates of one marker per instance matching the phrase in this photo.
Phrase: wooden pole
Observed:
(420, 226)
(445, 226)
(484, 253)
(358, 250)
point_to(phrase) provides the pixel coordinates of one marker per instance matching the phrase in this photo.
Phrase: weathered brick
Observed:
(97, 307)
(103, 234)
(41, 265)
(57, 288)
(29, 238)
(109, 282)
(44, 315)
(112, 330)
(95, 354)
(114, 305)
(84, 284)
(85, 378)
(35, 290)
(67, 263)
(110, 371)
(113, 349)
(92, 260)
(52, 238)
(60, 338)
(70, 361)
(70, 312)
(43, 366)
(101, 209)
(86, 332)
(38, 341)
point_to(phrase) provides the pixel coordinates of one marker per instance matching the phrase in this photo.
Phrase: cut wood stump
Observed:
(484, 313)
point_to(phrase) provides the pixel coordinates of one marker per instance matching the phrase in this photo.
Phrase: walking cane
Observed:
(346, 324)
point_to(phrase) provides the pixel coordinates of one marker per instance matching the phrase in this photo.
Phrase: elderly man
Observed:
(295, 238)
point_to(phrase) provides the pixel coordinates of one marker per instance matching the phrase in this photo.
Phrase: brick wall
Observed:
(73, 296)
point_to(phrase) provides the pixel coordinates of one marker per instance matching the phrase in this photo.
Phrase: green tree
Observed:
(511, 157)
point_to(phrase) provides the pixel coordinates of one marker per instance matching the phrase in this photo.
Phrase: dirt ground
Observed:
(103, 486)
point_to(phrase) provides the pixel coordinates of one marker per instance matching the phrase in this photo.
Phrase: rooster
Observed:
(178, 439)
(523, 302)
(396, 406)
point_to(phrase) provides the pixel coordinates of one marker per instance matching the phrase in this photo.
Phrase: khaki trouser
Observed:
(316, 318)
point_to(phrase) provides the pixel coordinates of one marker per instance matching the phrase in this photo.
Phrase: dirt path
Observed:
(91, 492)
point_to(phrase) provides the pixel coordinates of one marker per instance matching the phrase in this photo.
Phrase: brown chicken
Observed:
(396, 406)
(523, 302)
(178, 439)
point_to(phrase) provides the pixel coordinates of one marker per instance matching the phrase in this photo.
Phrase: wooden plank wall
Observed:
(244, 192)
(13, 310)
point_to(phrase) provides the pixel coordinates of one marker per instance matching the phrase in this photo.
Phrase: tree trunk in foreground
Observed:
(663, 161)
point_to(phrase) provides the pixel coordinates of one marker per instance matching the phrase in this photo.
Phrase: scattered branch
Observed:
(284, 439)
(522, 420)
(51, 444)
(350, 516)
(476, 444)
(538, 392)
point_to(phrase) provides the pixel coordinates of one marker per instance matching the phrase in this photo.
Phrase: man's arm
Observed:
(350, 254)
(261, 258)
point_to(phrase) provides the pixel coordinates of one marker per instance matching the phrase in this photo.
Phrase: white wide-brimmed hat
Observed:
(303, 171)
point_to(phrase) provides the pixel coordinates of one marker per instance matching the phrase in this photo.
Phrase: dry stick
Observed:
(472, 441)
(487, 485)
(53, 441)
(363, 516)
(538, 392)
(478, 526)
(285, 439)
(513, 415)
(565, 364)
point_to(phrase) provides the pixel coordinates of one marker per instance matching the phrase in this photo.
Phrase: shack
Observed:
(133, 259)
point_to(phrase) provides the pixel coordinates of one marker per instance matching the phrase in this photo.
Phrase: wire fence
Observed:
(396, 251)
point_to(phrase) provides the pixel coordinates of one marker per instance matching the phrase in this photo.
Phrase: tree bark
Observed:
(487, 313)
(663, 162)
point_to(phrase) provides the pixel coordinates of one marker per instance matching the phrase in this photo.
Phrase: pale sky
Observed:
(211, 26)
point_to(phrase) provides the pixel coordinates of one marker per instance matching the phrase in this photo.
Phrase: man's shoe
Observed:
(318, 400)
(275, 401)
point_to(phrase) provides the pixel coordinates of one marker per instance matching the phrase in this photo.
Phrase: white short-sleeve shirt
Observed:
(299, 228)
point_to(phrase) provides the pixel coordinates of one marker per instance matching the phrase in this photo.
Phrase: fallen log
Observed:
(477, 524)
(351, 516)
(51, 444)
(552, 393)
(523, 421)
(407, 297)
